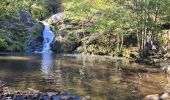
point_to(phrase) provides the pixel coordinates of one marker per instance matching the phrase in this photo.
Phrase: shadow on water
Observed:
(101, 78)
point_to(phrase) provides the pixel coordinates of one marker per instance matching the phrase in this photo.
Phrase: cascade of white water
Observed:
(48, 37)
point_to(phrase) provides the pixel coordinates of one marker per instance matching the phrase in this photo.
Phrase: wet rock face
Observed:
(34, 42)
(8, 25)
(56, 47)
(21, 33)
(34, 31)
(26, 17)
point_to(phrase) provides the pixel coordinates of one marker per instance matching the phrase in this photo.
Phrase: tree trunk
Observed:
(84, 42)
(121, 46)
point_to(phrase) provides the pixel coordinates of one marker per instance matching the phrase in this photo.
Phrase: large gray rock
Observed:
(26, 17)
(34, 42)
(21, 32)
(56, 18)
(56, 47)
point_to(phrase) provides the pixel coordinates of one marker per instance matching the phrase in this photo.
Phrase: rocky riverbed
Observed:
(164, 96)
(31, 94)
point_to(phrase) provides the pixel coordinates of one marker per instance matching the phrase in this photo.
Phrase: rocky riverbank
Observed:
(164, 96)
(31, 94)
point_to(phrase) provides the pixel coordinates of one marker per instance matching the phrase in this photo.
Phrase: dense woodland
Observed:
(106, 27)
(113, 29)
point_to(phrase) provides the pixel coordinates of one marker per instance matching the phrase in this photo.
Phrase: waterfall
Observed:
(48, 37)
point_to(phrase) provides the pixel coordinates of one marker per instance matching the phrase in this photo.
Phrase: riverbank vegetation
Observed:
(115, 27)
(131, 28)
(20, 30)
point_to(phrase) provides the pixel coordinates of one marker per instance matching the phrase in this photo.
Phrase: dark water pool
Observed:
(101, 78)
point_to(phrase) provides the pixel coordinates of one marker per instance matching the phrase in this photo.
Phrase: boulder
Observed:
(34, 42)
(56, 18)
(167, 55)
(2, 83)
(86, 98)
(56, 47)
(166, 69)
(152, 97)
(165, 96)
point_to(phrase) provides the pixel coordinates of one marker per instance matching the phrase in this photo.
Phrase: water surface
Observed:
(101, 78)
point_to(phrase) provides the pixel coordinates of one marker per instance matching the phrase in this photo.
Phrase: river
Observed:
(101, 78)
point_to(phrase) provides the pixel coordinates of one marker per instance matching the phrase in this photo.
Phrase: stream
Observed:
(97, 77)
(101, 78)
(48, 37)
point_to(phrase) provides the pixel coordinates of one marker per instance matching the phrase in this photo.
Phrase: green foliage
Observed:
(13, 32)
(38, 8)
(99, 26)
(3, 44)
(36, 29)
(115, 22)
(16, 46)
(69, 43)
(38, 11)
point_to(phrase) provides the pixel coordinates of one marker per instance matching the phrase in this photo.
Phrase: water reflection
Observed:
(46, 63)
(50, 71)
(101, 78)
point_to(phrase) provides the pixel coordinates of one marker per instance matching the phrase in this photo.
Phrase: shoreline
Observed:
(31, 94)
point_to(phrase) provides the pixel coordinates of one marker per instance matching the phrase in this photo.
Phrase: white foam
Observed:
(48, 37)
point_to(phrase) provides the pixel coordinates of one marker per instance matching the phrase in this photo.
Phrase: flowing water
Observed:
(48, 37)
(101, 78)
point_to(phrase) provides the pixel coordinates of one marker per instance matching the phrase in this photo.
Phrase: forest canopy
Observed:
(117, 24)
(108, 27)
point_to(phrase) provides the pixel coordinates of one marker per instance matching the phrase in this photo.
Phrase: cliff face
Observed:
(19, 31)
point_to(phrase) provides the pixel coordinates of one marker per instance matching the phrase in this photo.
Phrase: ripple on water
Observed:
(97, 77)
